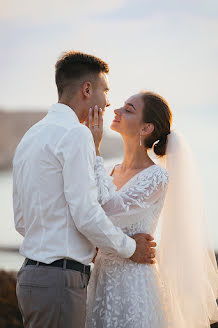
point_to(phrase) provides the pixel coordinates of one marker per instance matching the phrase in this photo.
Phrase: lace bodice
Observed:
(137, 205)
(122, 293)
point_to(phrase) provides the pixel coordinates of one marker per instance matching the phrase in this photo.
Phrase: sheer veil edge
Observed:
(185, 256)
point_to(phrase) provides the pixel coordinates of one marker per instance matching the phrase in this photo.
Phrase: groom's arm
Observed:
(18, 213)
(77, 154)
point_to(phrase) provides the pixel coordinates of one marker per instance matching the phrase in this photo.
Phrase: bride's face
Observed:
(128, 118)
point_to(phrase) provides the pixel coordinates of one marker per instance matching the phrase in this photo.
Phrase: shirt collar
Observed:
(62, 108)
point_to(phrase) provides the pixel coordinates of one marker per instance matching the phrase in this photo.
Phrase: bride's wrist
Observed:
(97, 151)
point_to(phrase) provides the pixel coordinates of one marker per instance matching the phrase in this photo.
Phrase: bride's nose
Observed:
(117, 111)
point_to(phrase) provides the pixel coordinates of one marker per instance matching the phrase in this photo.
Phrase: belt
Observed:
(70, 264)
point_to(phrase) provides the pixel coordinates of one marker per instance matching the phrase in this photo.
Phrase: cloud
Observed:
(54, 9)
(139, 9)
(174, 54)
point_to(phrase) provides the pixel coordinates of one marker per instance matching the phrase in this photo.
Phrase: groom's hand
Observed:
(145, 252)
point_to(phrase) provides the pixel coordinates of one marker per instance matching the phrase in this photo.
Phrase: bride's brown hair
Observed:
(157, 111)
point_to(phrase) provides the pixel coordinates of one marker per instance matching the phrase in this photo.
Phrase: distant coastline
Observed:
(13, 249)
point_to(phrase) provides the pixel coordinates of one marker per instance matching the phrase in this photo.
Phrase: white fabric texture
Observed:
(186, 258)
(55, 195)
(122, 293)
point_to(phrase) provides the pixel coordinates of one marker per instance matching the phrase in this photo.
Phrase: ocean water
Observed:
(9, 238)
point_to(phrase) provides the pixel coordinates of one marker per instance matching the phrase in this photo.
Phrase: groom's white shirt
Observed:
(55, 195)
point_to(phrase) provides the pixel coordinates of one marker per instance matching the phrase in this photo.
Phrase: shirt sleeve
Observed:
(77, 155)
(149, 189)
(18, 213)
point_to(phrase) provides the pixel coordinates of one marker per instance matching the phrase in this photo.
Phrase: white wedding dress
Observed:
(122, 293)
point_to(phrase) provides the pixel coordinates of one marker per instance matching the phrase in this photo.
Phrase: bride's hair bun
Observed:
(157, 111)
(160, 146)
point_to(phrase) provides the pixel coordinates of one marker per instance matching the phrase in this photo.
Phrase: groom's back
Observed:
(35, 158)
(38, 184)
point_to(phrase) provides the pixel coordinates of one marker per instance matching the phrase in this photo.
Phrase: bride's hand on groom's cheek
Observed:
(94, 122)
(145, 252)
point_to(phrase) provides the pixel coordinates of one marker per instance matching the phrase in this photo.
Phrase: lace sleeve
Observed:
(148, 188)
(106, 187)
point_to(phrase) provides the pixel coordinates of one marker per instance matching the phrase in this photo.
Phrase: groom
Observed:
(55, 202)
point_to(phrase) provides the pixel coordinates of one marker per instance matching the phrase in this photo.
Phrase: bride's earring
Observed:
(140, 140)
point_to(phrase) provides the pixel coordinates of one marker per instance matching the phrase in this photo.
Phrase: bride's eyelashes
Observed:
(127, 110)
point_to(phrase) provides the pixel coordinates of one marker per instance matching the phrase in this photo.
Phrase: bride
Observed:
(178, 290)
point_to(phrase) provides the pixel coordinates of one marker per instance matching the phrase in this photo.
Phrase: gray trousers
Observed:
(51, 297)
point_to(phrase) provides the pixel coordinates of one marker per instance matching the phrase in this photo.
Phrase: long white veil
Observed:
(185, 257)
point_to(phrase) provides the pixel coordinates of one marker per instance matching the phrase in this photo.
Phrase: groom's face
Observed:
(100, 92)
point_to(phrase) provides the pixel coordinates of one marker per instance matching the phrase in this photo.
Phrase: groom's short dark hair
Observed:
(74, 65)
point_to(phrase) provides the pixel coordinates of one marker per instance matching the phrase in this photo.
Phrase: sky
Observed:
(167, 46)
(170, 47)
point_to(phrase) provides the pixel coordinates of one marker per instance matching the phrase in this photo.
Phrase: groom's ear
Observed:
(87, 89)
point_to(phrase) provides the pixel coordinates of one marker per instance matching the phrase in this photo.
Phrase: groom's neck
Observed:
(75, 105)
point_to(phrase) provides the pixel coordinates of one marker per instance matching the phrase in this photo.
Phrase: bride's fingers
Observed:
(90, 118)
(95, 117)
(152, 244)
(100, 119)
(148, 260)
(148, 237)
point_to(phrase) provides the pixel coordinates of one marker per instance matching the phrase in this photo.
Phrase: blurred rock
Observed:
(10, 316)
(13, 126)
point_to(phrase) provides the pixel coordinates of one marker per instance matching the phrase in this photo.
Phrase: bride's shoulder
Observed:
(156, 173)
(161, 170)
